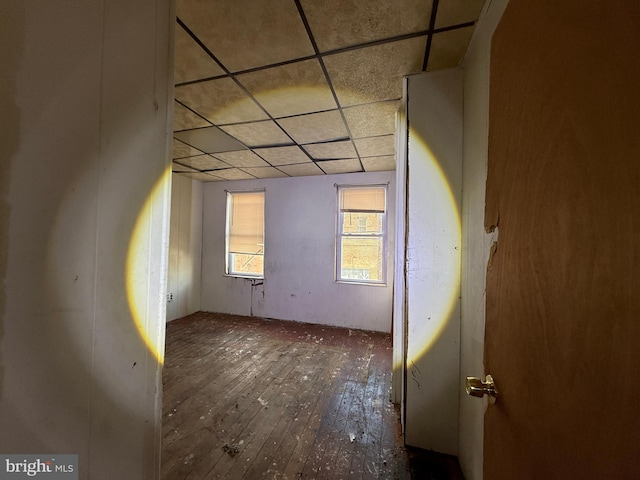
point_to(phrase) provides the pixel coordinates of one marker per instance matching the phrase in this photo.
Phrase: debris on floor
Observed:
(231, 449)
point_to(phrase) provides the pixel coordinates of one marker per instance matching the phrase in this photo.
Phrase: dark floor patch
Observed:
(426, 465)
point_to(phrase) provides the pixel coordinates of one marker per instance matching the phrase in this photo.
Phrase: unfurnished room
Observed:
(323, 240)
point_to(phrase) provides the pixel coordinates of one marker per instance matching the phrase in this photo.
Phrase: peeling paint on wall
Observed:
(492, 241)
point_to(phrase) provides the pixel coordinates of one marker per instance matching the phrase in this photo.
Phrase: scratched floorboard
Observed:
(247, 398)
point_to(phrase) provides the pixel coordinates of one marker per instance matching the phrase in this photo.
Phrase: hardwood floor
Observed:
(247, 398)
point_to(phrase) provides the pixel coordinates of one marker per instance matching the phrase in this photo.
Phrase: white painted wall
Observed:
(185, 247)
(475, 241)
(85, 129)
(434, 115)
(299, 283)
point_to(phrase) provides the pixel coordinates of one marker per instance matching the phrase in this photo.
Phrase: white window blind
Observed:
(362, 199)
(361, 242)
(245, 233)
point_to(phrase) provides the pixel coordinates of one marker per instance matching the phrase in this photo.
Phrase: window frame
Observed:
(340, 234)
(227, 254)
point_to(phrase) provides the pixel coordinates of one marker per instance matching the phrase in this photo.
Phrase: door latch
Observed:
(477, 388)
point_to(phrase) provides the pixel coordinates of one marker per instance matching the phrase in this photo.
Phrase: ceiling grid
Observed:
(282, 88)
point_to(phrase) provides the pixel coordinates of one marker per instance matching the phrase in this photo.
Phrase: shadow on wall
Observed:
(13, 36)
(79, 378)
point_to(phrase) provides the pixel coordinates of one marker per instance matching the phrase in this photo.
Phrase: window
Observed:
(361, 241)
(245, 234)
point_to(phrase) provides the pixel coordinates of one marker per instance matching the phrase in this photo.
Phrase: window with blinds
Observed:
(245, 234)
(361, 242)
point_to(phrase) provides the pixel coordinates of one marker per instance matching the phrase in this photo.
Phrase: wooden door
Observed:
(563, 287)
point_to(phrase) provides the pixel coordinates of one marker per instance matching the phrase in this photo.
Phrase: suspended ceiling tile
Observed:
(209, 140)
(265, 172)
(256, 134)
(233, 174)
(191, 62)
(374, 73)
(177, 168)
(266, 32)
(181, 150)
(331, 150)
(203, 177)
(203, 162)
(185, 119)
(315, 127)
(283, 155)
(301, 170)
(349, 165)
(448, 48)
(221, 101)
(455, 12)
(376, 146)
(243, 158)
(291, 89)
(372, 119)
(379, 164)
(355, 21)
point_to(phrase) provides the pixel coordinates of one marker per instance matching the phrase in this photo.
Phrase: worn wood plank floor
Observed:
(247, 398)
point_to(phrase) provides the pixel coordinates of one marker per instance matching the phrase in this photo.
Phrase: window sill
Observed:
(366, 284)
(246, 277)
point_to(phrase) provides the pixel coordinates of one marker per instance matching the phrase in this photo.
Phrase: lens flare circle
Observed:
(433, 256)
(141, 263)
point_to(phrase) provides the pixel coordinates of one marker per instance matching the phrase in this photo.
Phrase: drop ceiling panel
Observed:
(243, 158)
(315, 127)
(291, 89)
(191, 61)
(455, 12)
(209, 140)
(375, 73)
(283, 155)
(257, 134)
(376, 146)
(301, 170)
(233, 174)
(350, 165)
(202, 176)
(354, 22)
(181, 150)
(203, 162)
(221, 101)
(448, 48)
(333, 150)
(372, 119)
(244, 34)
(265, 172)
(176, 167)
(379, 164)
(184, 119)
